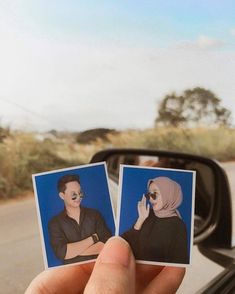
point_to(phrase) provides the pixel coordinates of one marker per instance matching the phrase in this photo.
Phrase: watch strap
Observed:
(95, 238)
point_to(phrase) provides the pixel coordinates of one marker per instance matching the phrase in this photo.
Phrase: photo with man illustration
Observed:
(155, 214)
(75, 213)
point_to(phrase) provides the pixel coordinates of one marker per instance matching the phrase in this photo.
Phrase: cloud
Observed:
(203, 43)
(78, 84)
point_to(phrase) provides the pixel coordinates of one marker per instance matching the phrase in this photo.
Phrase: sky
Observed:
(74, 65)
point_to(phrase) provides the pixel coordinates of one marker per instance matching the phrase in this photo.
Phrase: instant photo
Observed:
(75, 213)
(155, 213)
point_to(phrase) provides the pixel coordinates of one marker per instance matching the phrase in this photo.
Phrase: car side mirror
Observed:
(212, 218)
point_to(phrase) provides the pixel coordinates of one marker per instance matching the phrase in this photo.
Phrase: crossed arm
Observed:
(65, 249)
(83, 247)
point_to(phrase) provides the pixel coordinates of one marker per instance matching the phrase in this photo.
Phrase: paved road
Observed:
(230, 169)
(20, 249)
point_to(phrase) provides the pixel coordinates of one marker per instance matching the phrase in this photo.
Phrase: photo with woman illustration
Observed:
(155, 213)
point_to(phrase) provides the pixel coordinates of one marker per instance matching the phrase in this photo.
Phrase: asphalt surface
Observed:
(21, 255)
(20, 247)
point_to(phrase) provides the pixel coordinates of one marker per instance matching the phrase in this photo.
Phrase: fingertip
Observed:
(114, 270)
(116, 251)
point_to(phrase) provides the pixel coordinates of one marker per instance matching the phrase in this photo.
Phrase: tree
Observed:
(196, 106)
(89, 136)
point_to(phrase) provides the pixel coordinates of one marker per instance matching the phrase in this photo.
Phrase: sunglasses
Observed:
(153, 195)
(79, 195)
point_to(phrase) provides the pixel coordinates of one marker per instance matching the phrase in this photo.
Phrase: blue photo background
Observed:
(94, 185)
(134, 185)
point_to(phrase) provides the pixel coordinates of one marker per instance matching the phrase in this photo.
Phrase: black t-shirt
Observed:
(159, 240)
(64, 229)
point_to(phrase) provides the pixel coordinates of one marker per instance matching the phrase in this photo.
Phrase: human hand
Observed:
(143, 209)
(143, 212)
(114, 272)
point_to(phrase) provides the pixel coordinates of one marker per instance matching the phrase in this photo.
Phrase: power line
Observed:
(33, 113)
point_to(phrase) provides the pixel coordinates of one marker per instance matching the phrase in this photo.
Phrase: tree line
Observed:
(195, 107)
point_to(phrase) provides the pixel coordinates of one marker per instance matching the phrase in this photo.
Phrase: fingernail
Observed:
(116, 251)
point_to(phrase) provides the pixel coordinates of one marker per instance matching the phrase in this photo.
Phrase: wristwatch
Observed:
(95, 238)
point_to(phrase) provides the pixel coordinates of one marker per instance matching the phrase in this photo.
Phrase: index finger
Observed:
(167, 281)
(145, 274)
(143, 197)
(144, 200)
(62, 280)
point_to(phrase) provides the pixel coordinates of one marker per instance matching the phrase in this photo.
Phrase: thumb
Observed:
(114, 270)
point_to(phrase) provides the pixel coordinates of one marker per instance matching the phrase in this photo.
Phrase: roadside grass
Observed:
(215, 143)
(22, 154)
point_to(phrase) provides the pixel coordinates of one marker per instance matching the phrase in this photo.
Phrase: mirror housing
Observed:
(213, 217)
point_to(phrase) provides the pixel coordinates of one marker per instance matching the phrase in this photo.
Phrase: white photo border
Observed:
(121, 172)
(37, 196)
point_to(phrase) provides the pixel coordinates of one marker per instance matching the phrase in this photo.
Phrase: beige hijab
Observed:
(171, 196)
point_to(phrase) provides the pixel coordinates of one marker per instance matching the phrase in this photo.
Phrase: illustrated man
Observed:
(77, 233)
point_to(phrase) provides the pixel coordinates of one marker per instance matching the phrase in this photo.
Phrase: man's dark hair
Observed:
(61, 185)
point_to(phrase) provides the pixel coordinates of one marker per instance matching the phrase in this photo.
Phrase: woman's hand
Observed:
(115, 271)
(143, 212)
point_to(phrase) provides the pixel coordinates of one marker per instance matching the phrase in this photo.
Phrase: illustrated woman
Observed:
(159, 234)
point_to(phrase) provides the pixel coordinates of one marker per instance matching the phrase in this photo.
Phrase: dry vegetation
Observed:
(216, 143)
(22, 154)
